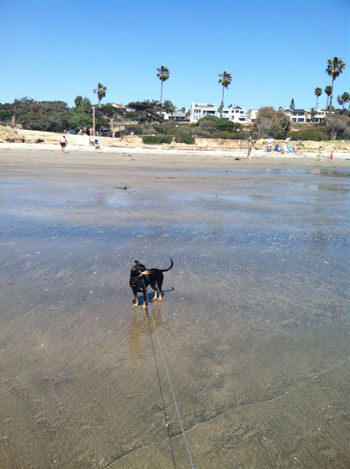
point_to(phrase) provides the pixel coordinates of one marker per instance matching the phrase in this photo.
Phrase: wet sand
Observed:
(254, 324)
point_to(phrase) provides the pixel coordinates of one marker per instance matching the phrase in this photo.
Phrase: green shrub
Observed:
(157, 139)
(5, 116)
(137, 129)
(276, 131)
(221, 123)
(172, 132)
(294, 135)
(161, 129)
(313, 135)
(228, 135)
(184, 138)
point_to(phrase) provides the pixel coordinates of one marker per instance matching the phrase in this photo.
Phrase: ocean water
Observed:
(254, 325)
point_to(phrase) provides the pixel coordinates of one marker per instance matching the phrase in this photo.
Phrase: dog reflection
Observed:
(142, 327)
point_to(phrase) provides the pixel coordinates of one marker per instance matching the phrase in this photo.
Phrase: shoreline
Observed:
(12, 154)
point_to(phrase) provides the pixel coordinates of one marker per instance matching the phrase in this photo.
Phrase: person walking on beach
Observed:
(331, 156)
(319, 156)
(249, 149)
(63, 143)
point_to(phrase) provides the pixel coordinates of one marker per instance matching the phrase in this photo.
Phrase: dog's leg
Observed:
(144, 298)
(160, 284)
(154, 287)
(136, 299)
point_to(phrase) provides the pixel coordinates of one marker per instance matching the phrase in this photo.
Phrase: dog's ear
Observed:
(137, 262)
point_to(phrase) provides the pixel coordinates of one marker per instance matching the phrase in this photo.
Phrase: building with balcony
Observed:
(300, 116)
(200, 110)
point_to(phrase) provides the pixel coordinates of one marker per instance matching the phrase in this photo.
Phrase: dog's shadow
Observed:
(139, 328)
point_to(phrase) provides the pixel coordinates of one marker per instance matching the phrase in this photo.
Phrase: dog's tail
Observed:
(171, 266)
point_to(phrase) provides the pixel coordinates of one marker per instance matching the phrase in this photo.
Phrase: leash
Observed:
(169, 381)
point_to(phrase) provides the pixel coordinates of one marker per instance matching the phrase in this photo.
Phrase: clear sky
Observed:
(275, 50)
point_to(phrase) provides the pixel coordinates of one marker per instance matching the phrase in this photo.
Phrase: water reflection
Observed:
(142, 326)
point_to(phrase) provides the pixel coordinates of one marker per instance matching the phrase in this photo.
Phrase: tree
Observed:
(318, 92)
(169, 105)
(101, 92)
(283, 120)
(81, 117)
(111, 114)
(85, 105)
(273, 122)
(225, 80)
(33, 121)
(292, 105)
(78, 101)
(335, 124)
(147, 111)
(343, 100)
(5, 116)
(266, 117)
(311, 114)
(80, 120)
(328, 91)
(24, 105)
(276, 131)
(163, 74)
(334, 68)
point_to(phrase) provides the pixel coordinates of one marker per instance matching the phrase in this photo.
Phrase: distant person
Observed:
(331, 156)
(63, 143)
(270, 144)
(319, 156)
(249, 149)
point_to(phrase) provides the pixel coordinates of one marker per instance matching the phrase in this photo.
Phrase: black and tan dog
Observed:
(141, 278)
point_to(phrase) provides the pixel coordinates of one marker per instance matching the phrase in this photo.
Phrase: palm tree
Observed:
(101, 92)
(225, 80)
(328, 91)
(334, 68)
(346, 98)
(342, 100)
(163, 74)
(312, 114)
(318, 92)
(78, 100)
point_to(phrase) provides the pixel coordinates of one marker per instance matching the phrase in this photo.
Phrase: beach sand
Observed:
(254, 325)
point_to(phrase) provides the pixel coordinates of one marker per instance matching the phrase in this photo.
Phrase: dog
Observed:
(141, 278)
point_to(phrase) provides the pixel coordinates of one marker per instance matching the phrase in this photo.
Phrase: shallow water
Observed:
(254, 325)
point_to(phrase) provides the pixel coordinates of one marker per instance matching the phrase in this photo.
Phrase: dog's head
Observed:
(137, 270)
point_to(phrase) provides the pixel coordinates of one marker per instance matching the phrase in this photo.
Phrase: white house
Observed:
(252, 114)
(176, 116)
(302, 116)
(199, 110)
(320, 115)
(295, 115)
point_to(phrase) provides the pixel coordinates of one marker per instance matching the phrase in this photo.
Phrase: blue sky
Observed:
(275, 50)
